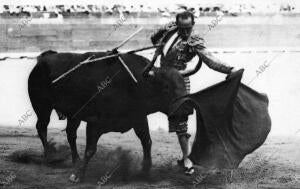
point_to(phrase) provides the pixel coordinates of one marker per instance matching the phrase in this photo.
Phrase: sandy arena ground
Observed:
(274, 165)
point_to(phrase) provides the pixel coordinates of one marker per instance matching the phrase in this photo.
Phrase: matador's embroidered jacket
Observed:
(183, 51)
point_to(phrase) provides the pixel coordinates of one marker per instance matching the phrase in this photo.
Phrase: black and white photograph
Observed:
(149, 94)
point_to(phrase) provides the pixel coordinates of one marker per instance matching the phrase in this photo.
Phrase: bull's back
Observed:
(97, 88)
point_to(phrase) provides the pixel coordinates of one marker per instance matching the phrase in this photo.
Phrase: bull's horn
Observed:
(150, 66)
(156, 54)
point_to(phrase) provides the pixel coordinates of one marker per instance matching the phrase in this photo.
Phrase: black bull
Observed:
(106, 97)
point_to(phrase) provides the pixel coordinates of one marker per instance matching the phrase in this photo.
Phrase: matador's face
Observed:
(185, 27)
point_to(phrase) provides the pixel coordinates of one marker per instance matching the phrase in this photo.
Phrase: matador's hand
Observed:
(231, 72)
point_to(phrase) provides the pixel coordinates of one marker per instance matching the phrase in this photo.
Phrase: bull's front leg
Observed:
(92, 136)
(142, 131)
(71, 131)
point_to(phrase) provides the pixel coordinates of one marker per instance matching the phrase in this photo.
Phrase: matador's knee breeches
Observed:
(178, 123)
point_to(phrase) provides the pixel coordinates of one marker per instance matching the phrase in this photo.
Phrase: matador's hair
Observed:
(185, 15)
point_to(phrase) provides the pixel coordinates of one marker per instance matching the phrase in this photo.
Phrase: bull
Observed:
(103, 95)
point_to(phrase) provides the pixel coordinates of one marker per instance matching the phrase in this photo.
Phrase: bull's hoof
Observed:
(56, 153)
(73, 178)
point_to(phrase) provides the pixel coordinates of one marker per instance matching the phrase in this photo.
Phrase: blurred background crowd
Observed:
(68, 25)
(144, 8)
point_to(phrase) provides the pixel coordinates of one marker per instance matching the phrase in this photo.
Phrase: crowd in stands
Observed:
(141, 10)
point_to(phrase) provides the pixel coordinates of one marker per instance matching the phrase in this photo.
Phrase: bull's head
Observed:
(169, 86)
